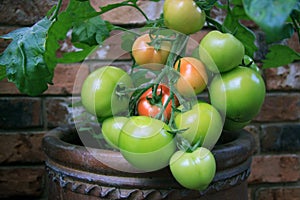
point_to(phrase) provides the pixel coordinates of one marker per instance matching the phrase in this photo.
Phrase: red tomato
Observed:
(149, 106)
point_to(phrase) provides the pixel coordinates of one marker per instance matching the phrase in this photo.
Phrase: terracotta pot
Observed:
(75, 174)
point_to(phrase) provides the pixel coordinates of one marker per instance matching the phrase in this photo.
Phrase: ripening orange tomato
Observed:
(193, 77)
(147, 56)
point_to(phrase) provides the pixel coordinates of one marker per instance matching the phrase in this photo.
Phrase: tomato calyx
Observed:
(175, 131)
(249, 62)
(185, 146)
(154, 98)
(157, 39)
(157, 102)
(121, 91)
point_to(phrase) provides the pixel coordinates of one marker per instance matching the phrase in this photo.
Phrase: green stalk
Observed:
(178, 47)
(295, 23)
(125, 3)
(214, 23)
(173, 112)
(160, 114)
(125, 30)
(55, 14)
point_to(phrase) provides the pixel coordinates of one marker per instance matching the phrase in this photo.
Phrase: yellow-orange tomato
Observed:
(147, 56)
(193, 76)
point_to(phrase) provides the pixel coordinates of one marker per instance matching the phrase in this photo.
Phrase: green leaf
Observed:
(92, 31)
(77, 12)
(239, 12)
(159, 22)
(296, 11)
(241, 32)
(206, 4)
(280, 55)
(236, 2)
(270, 15)
(23, 58)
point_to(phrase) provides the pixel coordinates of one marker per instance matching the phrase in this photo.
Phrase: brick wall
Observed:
(24, 120)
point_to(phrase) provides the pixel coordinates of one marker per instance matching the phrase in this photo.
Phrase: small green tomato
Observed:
(194, 170)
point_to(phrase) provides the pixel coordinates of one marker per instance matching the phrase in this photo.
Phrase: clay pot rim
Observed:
(57, 146)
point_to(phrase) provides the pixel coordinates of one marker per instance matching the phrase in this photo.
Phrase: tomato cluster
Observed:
(147, 122)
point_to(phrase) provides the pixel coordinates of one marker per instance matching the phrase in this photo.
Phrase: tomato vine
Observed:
(19, 63)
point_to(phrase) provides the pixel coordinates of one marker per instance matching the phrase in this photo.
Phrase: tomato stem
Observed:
(184, 145)
(55, 13)
(160, 114)
(177, 49)
(156, 98)
(172, 110)
(125, 3)
(214, 23)
(295, 23)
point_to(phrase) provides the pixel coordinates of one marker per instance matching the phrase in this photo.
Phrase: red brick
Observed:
(280, 137)
(68, 79)
(283, 78)
(280, 107)
(59, 110)
(275, 169)
(21, 147)
(20, 112)
(23, 12)
(21, 181)
(293, 42)
(7, 87)
(278, 193)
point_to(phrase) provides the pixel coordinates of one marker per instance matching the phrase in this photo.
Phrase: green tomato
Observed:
(239, 94)
(193, 170)
(221, 52)
(101, 95)
(183, 16)
(111, 128)
(203, 123)
(146, 143)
